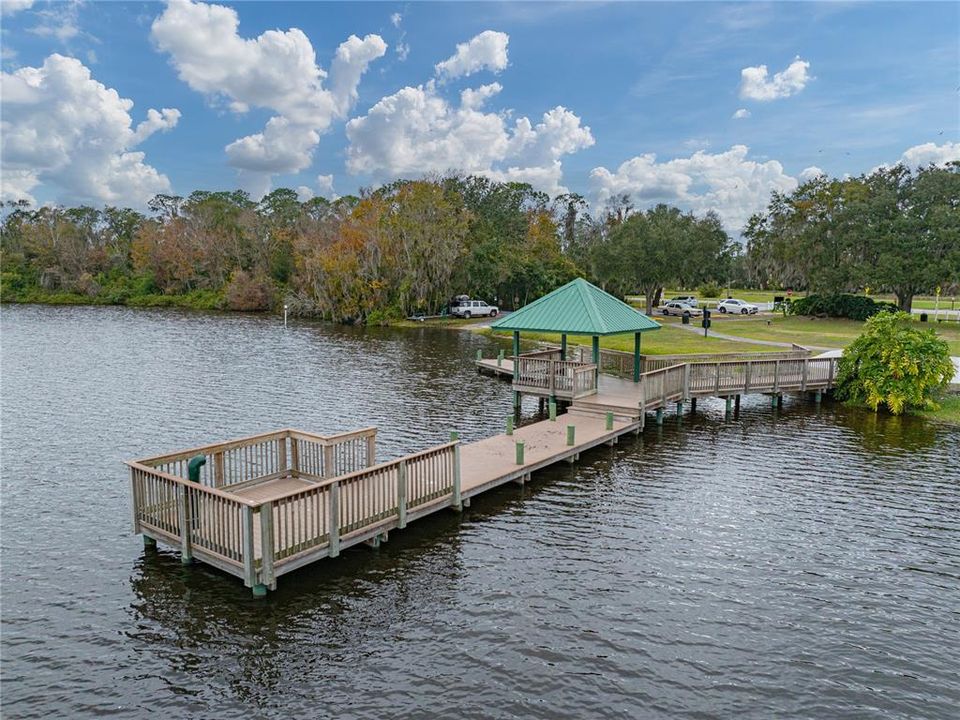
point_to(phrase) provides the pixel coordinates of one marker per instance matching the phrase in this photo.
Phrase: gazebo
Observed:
(577, 308)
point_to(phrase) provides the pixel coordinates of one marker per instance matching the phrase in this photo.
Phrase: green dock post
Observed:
(553, 409)
(500, 359)
(679, 408)
(693, 405)
(780, 400)
(509, 424)
(817, 396)
(149, 542)
(571, 434)
(402, 494)
(736, 404)
(659, 416)
(516, 399)
(636, 357)
(479, 354)
(729, 404)
(454, 436)
(259, 590)
(609, 420)
(519, 447)
(456, 501)
(773, 400)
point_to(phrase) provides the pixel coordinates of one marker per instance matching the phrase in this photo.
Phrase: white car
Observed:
(685, 299)
(675, 307)
(731, 305)
(474, 308)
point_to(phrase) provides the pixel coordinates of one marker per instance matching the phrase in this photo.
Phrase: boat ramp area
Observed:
(263, 506)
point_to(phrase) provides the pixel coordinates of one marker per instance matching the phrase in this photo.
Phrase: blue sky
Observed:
(620, 97)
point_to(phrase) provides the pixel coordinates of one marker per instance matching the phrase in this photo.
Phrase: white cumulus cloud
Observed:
(931, 153)
(417, 131)
(756, 84)
(276, 70)
(810, 173)
(9, 7)
(486, 51)
(728, 183)
(62, 128)
(741, 114)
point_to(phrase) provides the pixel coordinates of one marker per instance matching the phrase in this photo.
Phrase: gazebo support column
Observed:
(516, 367)
(563, 346)
(636, 357)
(596, 358)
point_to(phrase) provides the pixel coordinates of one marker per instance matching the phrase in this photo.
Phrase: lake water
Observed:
(800, 563)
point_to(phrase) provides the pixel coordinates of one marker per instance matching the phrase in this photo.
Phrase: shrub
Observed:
(854, 307)
(249, 293)
(895, 365)
(709, 290)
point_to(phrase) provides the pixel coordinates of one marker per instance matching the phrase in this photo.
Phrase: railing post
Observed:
(776, 375)
(552, 408)
(686, 381)
(333, 521)
(266, 545)
(328, 462)
(746, 384)
(456, 502)
(500, 358)
(294, 457)
(186, 541)
(552, 368)
(716, 390)
(281, 454)
(402, 494)
(509, 424)
(803, 379)
(249, 567)
(830, 375)
(371, 450)
(135, 499)
(218, 469)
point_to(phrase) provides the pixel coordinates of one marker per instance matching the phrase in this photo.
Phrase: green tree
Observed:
(894, 365)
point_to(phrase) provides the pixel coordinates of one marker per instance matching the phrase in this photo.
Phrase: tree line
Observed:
(408, 247)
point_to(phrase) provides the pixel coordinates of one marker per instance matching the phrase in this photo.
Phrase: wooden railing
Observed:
(200, 520)
(264, 457)
(298, 526)
(659, 387)
(656, 362)
(257, 540)
(557, 378)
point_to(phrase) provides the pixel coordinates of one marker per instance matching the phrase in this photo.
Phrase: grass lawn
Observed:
(822, 332)
(665, 341)
(949, 410)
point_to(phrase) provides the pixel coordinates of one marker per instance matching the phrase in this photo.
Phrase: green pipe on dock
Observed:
(659, 416)
(553, 409)
(571, 434)
(454, 436)
(500, 358)
(609, 420)
(519, 452)
(193, 467)
(509, 424)
(479, 354)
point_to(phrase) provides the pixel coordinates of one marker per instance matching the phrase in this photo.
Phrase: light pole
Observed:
(285, 315)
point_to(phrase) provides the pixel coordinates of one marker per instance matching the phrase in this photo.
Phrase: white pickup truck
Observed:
(473, 308)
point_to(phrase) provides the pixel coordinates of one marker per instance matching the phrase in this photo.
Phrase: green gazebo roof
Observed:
(577, 308)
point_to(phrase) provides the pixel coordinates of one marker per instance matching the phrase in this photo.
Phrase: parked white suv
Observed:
(474, 308)
(731, 305)
(685, 299)
(675, 307)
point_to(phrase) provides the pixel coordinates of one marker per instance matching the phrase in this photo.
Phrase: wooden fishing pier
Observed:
(262, 506)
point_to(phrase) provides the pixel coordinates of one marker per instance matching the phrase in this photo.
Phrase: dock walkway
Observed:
(263, 506)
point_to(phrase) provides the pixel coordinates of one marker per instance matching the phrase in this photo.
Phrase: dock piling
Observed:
(509, 424)
(553, 409)
(519, 452)
(729, 405)
(149, 542)
(659, 416)
(609, 424)
(500, 359)
(571, 434)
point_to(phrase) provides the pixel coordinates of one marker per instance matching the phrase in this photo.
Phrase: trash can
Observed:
(923, 317)
(685, 320)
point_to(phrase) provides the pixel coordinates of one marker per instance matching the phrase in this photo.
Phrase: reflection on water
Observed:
(794, 562)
